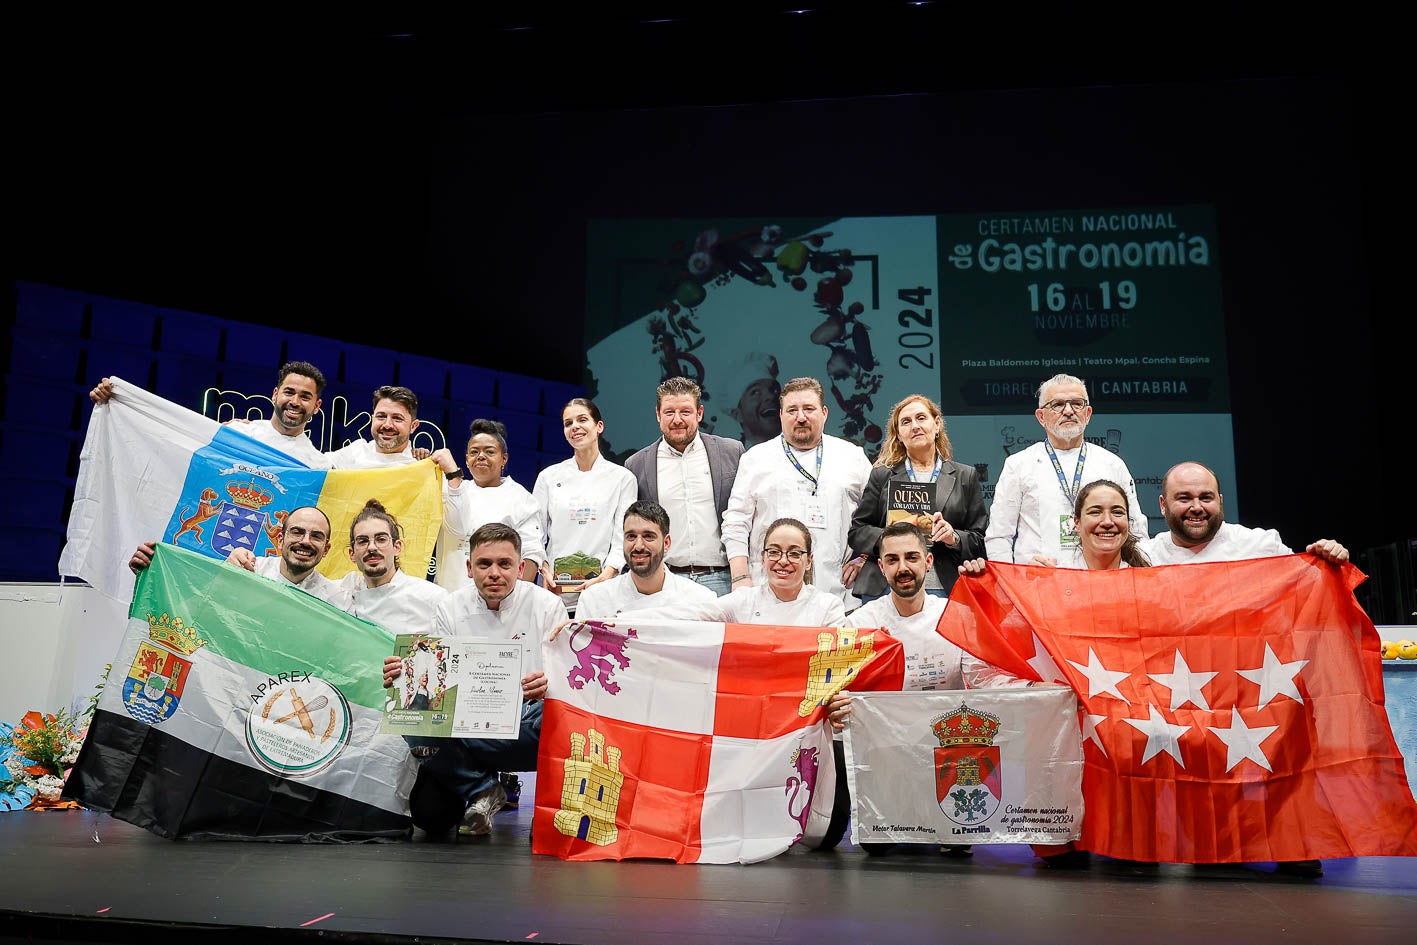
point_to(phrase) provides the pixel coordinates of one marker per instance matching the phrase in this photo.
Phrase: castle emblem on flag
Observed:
(838, 659)
(590, 790)
(600, 655)
(968, 782)
(160, 668)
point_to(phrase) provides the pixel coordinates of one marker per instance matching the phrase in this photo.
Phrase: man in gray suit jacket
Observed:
(691, 475)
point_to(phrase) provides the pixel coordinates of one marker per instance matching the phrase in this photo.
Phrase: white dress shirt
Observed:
(403, 605)
(685, 488)
(1231, 543)
(298, 446)
(364, 454)
(314, 583)
(769, 487)
(467, 507)
(931, 661)
(1031, 515)
(812, 608)
(527, 614)
(619, 594)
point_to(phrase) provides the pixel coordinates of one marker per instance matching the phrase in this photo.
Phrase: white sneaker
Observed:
(477, 821)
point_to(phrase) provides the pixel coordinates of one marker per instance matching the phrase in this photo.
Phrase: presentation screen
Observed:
(973, 310)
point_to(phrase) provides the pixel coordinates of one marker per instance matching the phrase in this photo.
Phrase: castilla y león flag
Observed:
(696, 742)
(1231, 711)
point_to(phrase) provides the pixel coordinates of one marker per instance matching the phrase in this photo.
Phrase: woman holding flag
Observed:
(1101, 515)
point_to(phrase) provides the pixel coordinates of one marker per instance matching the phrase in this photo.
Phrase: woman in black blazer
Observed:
(917, 448)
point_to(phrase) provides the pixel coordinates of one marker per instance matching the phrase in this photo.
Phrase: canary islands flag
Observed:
(151, 469)
(241, 707)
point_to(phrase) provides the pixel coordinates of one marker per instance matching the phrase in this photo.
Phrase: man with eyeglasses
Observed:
(1031, 518)
(803, 474)
(690, 473)
(380, 592)
(304, 542)
(645, 582)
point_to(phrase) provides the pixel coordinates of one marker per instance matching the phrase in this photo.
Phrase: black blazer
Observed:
(958, 496)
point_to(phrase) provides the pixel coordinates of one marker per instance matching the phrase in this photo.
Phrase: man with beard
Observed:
(803, 474)
(1031, 518)
(1197, 533)
(304, 542)
(380, 592)
(690, 473)
(647, 545)
(1194, 511)
(931, 662)
(392, 421)
(294, 401)
(457, 777)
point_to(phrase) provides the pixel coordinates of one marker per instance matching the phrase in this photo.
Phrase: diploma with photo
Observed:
(912, 502)
(455, 687)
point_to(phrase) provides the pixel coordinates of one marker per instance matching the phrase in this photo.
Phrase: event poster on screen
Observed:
(974, 310)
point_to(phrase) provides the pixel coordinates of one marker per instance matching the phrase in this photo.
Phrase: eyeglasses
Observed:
(777, 554)
(1058, 406)
(381, 540)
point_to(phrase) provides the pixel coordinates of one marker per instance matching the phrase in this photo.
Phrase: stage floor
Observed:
(76, 876)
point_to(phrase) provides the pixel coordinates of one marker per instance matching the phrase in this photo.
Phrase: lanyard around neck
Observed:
(792, 458)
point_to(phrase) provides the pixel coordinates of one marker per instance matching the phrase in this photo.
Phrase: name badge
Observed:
(814, 512)
(1067, 531)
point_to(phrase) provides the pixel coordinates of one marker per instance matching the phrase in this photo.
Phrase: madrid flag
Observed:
(1231, 711)
(695, 742)
(153, 470)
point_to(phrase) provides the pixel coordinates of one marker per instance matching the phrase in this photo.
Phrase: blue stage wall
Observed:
(63, 342)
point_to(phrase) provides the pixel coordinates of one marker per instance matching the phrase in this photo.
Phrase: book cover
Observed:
(912, 502)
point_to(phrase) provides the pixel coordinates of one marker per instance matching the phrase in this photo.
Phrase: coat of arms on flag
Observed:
(159, 670)
(968, 782)
(250, 709)
(151, 469)
(965, 766)
(238, 522)
(696, 742)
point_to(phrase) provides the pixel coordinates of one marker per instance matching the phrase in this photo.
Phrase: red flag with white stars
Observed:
(1231, 712)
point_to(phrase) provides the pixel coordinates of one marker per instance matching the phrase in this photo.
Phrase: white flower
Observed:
(49, 787)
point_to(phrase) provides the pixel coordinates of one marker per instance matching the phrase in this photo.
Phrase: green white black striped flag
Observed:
(240, 707)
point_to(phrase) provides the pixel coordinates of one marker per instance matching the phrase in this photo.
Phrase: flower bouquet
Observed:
(37, 753)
